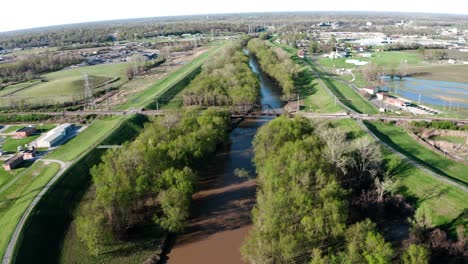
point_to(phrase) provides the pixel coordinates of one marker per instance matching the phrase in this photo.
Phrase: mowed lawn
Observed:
(399, 139)
(15, 200)
(148, 96)
(64, 85)
(349, 97)
(315, 97)
(445, 202)
(97, 131)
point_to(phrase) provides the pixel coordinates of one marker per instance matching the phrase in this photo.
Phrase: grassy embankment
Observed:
(315, 97)
(44, 232)
(445, 202)
(342, 91)
(164, 90)
(399, 139)
(15, 200)
(450, 139)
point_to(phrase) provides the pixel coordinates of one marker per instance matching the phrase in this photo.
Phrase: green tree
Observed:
(415, 254)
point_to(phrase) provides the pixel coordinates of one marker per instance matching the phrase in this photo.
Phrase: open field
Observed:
(11, 144)
(385, 59)
(398, 138)
(445, 202)
(15, 200)
(146, 98)
(84, 140)
(64, 85)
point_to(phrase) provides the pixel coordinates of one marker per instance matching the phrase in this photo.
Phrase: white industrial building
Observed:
(52, 137)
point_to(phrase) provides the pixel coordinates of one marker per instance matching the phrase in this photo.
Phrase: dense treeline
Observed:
(276, 63)
(150, 179)
(225, 80)
(29, 67)
(310, 189)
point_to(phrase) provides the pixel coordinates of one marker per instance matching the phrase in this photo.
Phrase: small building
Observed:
(13, 162)
(24, 132)
(54, 136)
(381, 95)
(371, 90)
(29, 154)
(395, 101)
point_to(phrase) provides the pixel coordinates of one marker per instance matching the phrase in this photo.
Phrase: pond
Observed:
(432, 92)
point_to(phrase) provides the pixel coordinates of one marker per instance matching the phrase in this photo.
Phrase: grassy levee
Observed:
(41, 239)
(83, 141)
(399, 139)
(315, 98)
(446, 203)
(342, 91)
(168, 86)
(15, 200)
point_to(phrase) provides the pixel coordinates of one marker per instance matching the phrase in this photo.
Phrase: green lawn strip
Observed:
(11, 144)
(398, 138)
(16, 199)
(12, 128)
(84, 140)
(350, 97)
(445, 202)
(45, 229)
(148, 96)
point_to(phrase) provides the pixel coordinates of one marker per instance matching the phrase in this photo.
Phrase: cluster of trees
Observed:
(149, 180)
(276, 63)
(139, 64)
(309, 180)
(225, 80)
(29, 67)
(438, 125)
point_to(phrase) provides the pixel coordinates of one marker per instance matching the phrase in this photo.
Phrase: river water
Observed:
(220, 218)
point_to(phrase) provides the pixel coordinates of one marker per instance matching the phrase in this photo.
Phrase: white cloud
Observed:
(17, 14)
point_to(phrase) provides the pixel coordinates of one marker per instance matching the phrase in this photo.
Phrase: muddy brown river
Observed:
(220, 218)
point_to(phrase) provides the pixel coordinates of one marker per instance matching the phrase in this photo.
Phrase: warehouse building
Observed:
(24, 132)
(54, 136)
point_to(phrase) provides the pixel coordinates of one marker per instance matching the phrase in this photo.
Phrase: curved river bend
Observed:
(220, 218)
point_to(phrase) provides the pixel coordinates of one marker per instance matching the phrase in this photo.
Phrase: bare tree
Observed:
(384, 186)
(367, 158)
(372, 72)
(337, 147)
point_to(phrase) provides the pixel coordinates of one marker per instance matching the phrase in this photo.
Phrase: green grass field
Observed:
(63, 85)
(15, 200)
(385, 59)
(399, 139)
(445, 202)
(147, 97)
(84, 140)
(11, 144)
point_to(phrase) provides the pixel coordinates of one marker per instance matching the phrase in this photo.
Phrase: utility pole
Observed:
(89, 100)
(157, 105)
(419, 99)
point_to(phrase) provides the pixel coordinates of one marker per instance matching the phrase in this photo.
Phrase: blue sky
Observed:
(19, 14)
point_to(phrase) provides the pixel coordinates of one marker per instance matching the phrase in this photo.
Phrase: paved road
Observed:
(14, 238)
